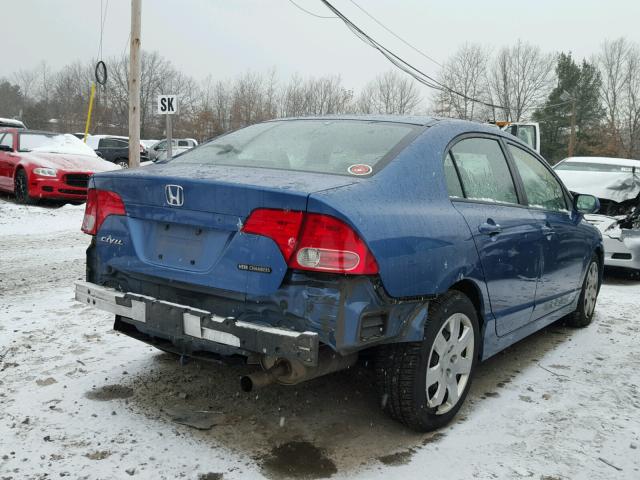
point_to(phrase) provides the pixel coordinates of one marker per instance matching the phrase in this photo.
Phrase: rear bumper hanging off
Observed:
(181, 324)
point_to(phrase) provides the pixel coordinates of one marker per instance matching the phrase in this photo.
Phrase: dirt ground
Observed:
(81, 401)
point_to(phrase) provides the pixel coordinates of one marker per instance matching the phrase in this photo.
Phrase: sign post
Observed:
(168, 105)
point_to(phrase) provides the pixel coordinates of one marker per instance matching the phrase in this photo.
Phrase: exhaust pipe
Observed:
(291, 372)
(262, 378)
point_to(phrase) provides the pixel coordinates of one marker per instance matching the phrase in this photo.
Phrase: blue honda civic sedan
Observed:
(297, 244)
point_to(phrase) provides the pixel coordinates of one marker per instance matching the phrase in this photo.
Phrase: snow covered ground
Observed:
(79, 400)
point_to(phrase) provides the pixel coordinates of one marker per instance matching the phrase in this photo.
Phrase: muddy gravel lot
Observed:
(81, 401)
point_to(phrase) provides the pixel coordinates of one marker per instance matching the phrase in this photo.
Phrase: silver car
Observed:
(616, 183)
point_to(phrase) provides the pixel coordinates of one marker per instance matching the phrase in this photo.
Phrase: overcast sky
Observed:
(227, 37)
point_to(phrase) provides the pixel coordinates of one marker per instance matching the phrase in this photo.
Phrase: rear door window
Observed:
(484, 172)
(543, 190)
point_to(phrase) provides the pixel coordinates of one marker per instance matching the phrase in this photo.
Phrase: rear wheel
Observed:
(21, 188)
(122, 163)
(588, 296)
(424, 384)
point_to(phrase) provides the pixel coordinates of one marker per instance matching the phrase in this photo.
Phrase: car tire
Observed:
(588, 296)
(21, 189)
(122, 163)
(402, 369)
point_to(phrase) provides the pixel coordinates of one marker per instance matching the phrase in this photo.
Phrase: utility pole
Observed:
(134, 84)
(568, 97)
(572, 138)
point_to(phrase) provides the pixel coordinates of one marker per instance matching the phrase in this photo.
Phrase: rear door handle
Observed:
(490, 228)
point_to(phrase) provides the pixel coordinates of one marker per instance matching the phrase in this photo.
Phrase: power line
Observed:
(405, 66)
(103, 20)
(396, 35)
(308, 12)
(124, 50)
(397, 61)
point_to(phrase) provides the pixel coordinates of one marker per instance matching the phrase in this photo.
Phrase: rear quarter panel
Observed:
(421, 243)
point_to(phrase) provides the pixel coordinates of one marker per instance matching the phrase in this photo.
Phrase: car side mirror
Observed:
(100, 154)
(586, 203)
(6, 148)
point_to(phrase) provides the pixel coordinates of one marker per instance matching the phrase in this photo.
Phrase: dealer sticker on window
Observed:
(359, 169)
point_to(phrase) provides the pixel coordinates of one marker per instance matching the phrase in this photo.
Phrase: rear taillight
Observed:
(142, 148)
(281, 226)
(100, 204)
(311, 241)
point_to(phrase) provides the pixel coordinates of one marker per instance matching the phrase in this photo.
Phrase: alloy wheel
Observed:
(450, 362)
(591, 289)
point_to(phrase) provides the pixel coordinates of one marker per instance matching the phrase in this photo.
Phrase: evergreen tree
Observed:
(575, 99)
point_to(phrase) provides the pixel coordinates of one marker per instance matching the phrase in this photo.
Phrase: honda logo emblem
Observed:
(174, 195)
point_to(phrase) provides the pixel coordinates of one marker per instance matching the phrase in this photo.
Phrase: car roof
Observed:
(11, 122)
(121, 137)
(624, 162)
(423, 120)
(419, 120)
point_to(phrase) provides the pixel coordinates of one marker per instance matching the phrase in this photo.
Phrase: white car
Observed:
(179, 145)
(616, 183)
(148, 143)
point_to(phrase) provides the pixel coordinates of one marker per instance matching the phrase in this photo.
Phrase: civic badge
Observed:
(174, 195)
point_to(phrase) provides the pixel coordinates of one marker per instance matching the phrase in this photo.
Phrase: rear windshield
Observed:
(593, 167)
(326, 146)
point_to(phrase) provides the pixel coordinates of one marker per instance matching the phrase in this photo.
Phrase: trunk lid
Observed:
(198, 239)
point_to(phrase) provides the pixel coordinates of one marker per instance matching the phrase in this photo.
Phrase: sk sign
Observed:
(167, 104)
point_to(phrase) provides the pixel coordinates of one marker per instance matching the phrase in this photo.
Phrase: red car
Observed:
(35, 165)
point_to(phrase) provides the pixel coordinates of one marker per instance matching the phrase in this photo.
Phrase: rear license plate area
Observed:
(165, 320)
(184, 247)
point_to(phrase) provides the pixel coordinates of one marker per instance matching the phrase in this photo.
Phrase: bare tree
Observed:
(27, 80)
(326, 95)
(294, 98)
(612, 61)
(45, 75)
(631, 104)
(389, 93)
(466, 74)
(247, 100)
(315, 96)
(619, 64)
(72, 84)
(521, 78)
(216, 106)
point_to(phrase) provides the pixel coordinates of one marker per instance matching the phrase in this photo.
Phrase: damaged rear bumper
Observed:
(190, 330)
